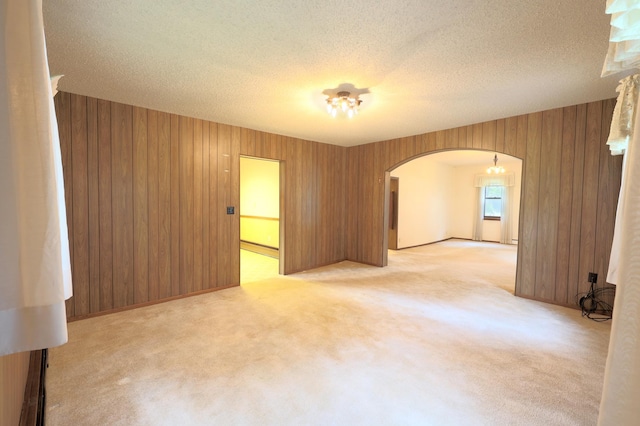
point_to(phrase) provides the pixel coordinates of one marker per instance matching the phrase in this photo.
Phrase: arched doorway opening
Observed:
(449, 195)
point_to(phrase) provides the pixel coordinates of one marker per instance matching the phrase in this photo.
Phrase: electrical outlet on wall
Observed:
(593, 277)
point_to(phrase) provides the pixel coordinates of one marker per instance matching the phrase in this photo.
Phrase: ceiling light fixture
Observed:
(495, 169)
(344, 102)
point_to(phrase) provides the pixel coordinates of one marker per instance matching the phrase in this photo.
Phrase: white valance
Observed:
(624, 40)
(482, 180)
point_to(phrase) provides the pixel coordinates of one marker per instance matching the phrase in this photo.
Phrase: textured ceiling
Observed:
(427, 64)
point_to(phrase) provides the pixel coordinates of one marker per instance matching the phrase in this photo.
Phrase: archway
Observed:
(438, 197)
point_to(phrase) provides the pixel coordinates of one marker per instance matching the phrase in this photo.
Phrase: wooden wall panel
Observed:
(105, 205)
(80, 207)
(122, 206)
(477, 136)
(93, 213)
(521, 148)
(367, 173)
(248, 142)
(197, 206)
(549, 204)
(489, 135)
(500, 132)
(14, 372)
(527, 239)
(451, 140)
(324, 189)
(140, 207)
(377, 181)
(186, 204)
(351, 203)
(214, 210)
(174, 139)
(153, 206)
(469, 136)
(570, 184)
(293, 198)
(462, 139)
(511, 136)
(206, 268)
(164, 205)
(224, 199)
(576, 202)
(590, 193)
(565, 208)
(440, 140)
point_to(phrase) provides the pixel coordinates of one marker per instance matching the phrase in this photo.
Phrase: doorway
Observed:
(439, 201)
(439, 198)
(261, 181)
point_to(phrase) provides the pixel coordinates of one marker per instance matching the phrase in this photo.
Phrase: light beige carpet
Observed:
(257, 267)
(435, 338)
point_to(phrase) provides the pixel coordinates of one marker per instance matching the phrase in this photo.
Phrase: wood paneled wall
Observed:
(146, 198)
(14, 370)
(569, 193)
(147, 193)
(313, 218)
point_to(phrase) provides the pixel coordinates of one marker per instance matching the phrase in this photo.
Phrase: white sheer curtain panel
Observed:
(479, 216)
(506, 181)
(621, 390)
(505, 220)
(35, 277)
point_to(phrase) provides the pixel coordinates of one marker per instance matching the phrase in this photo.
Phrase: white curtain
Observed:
(35, 271)
(505, 220)
(621, 391)
(506, 181)
(479, 214)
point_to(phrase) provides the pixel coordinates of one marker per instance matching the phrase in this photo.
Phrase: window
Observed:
(492, 202)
